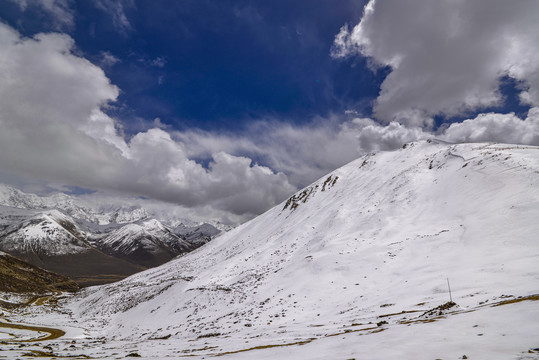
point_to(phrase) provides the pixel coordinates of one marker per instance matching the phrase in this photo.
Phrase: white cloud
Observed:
(60, 12)
(108, 59)
(54, 128)
(159, 124)
(302, 152)
(504, 128)
(46, 97)
(446, 56)
(375, 137)
(116, 10)
(159, 62)
(230, 183)
(306, 152)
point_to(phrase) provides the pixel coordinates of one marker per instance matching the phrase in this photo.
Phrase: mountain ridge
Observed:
(148, 243)
(388, 232)
(45, 232)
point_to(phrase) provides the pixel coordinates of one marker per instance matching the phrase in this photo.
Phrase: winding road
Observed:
(51, 333)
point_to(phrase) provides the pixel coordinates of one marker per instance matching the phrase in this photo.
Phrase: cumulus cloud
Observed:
(55, 127)
(60, 12)
(46, 96)
(304, 152)
(504, 128)
(446, 57)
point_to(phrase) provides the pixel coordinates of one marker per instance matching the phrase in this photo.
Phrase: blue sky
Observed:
(224, 108)
(217, 63)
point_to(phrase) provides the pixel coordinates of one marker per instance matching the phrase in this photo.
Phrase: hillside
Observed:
(354, 266)
(17, 276)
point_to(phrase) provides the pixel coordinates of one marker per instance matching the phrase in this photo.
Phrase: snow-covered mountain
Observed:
(54, 241)
(9, 196)
(197, 235)
(44, 230)
(148, 243)
(73, 206)
(350, 266)
(46, 233)
(100, 213)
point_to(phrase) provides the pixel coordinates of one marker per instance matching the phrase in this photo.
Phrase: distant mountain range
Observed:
(92, 245)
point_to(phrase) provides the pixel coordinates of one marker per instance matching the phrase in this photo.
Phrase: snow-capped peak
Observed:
(48, 233)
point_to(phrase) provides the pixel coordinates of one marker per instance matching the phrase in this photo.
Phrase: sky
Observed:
(225, 108)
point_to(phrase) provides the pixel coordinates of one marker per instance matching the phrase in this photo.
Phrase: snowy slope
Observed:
(374, 241)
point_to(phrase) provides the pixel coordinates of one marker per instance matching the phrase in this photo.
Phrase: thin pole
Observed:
(450, 297)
